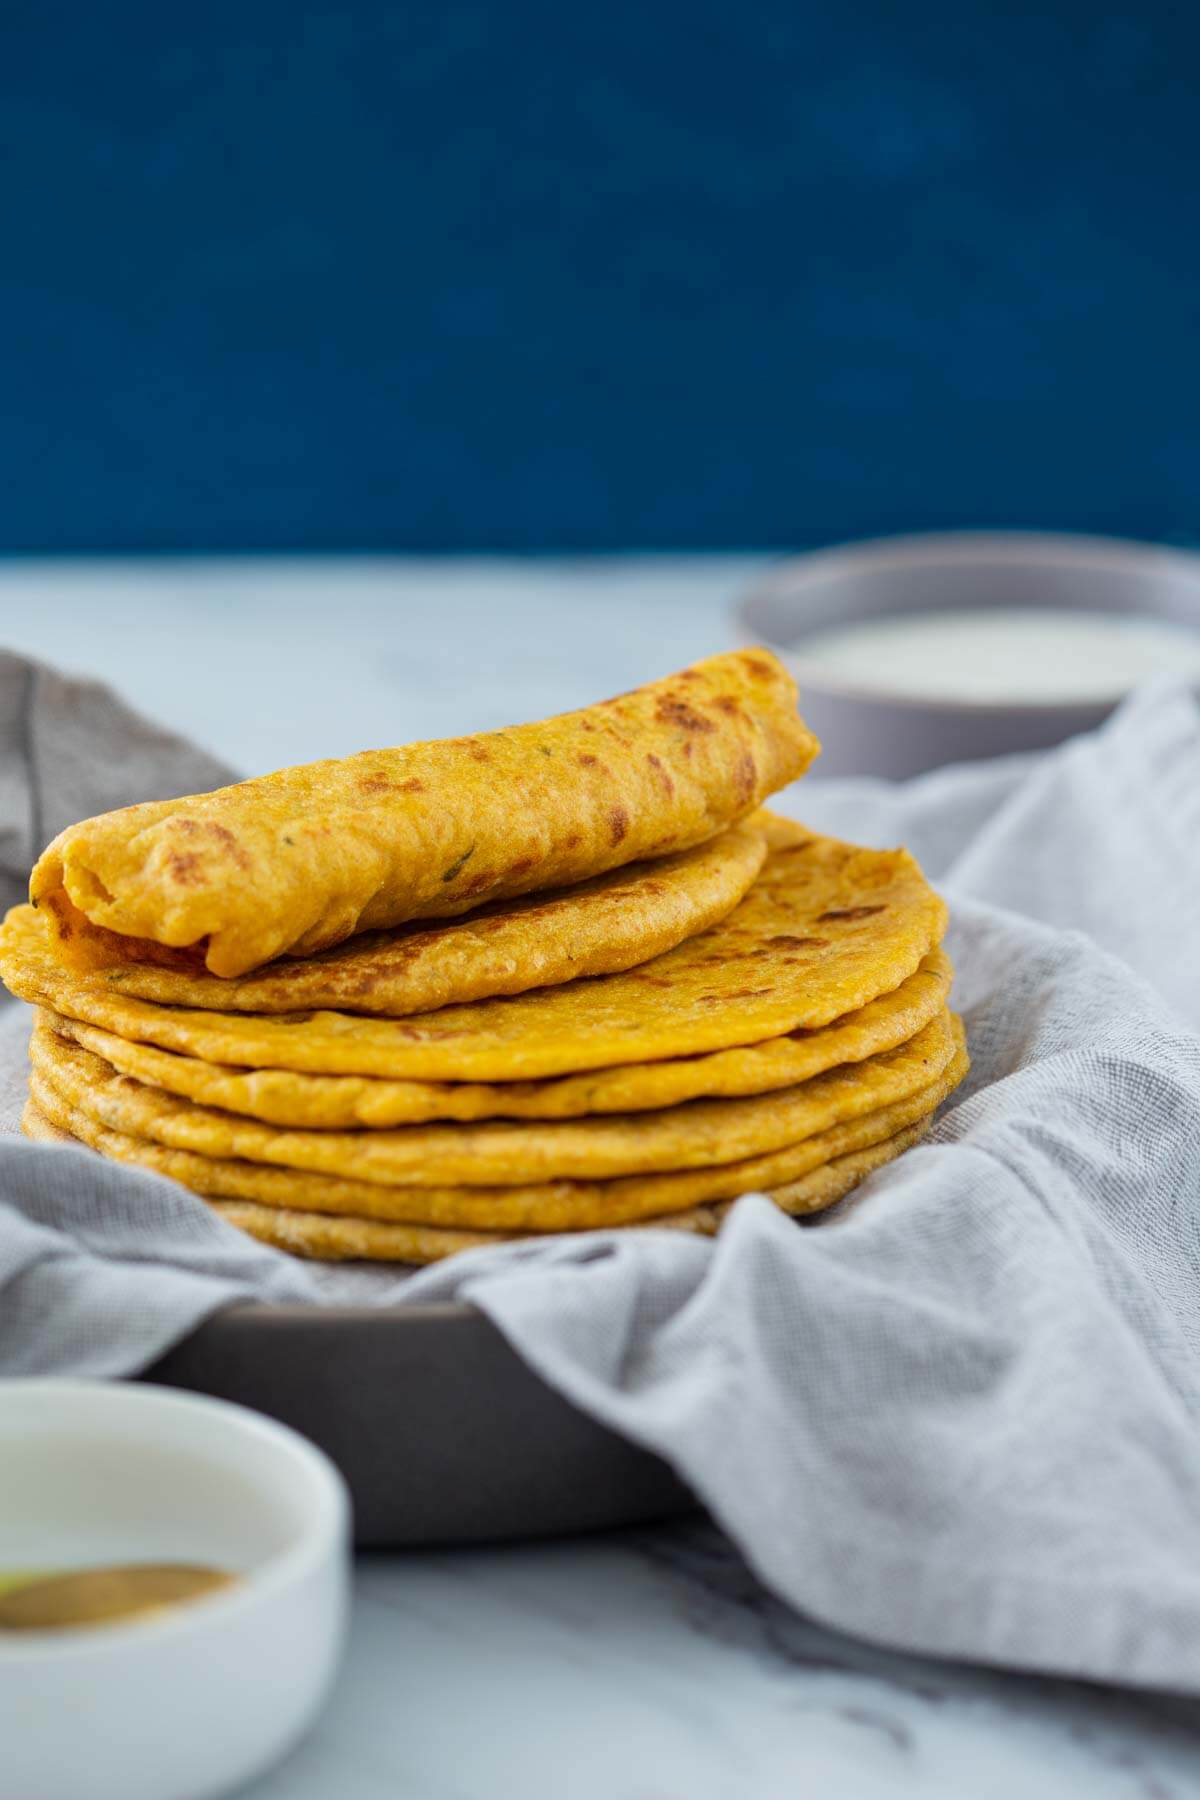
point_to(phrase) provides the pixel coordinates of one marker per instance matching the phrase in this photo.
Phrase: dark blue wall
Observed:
(555, 274)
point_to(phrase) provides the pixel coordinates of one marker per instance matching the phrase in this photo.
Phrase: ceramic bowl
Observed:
(193, 1701)
(893, 734)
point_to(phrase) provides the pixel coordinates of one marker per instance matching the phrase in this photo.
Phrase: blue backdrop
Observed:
(529, 274)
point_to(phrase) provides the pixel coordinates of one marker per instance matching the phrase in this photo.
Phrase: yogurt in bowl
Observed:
(911, 652)
(1001, 656)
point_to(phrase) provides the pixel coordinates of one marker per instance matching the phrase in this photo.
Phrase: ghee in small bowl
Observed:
(236, 1532)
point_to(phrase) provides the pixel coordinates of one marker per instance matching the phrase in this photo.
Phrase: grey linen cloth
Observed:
(961, 1415)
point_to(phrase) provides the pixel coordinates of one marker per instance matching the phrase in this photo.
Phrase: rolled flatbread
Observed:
(300, 860)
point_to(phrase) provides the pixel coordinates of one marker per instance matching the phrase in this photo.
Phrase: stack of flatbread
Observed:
(558, 977)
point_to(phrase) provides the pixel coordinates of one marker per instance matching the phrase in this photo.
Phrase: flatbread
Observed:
(504, 1153)
(318, 1236)
(327, 1238)
(826, 928)
(347, 1102)
(614, 921)
(297, 861)
(548, 1206)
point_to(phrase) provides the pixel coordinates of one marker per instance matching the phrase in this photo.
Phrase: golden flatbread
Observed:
(826, 928)
(542, 1207)
(300, 860)
(316, 1235)
(614, 921)
(503, 1153)
(347, 1102)
(341, 1239)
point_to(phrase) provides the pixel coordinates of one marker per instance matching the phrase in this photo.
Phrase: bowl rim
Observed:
(790, 574)
(325, 1528)
(1054, 548)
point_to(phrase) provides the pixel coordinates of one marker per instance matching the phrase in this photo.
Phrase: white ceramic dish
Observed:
(879, 732)
(197, 1700)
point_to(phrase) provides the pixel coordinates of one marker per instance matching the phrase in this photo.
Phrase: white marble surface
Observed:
(649, 1665)
(652, 1666)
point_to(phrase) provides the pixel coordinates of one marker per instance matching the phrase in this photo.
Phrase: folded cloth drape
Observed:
(962, 1415)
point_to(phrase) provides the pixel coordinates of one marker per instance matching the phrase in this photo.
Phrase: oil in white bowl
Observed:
(75, 1599)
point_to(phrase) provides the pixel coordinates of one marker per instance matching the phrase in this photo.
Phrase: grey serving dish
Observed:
(881, 734)
(442, 1432)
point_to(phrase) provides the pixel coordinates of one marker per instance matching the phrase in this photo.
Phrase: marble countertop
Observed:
(647, 1665)
(653, 1666)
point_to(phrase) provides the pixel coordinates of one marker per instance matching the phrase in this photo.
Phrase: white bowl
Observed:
(194, 1701)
